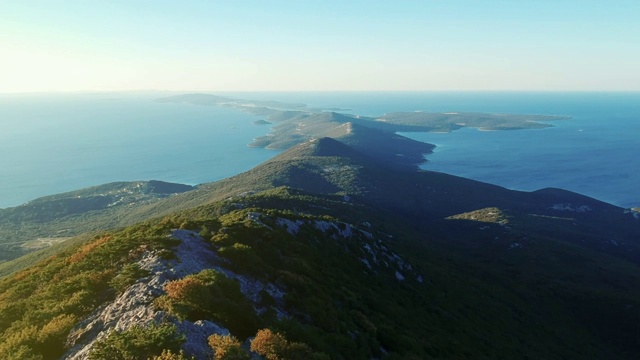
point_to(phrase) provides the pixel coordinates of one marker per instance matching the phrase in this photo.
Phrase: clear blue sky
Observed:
(56, 45)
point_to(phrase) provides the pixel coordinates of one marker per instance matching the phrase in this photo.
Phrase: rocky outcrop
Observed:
(373, 253)
(134, 305)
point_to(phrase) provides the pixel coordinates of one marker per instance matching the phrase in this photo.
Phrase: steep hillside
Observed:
(333, 276)
(327, 252)
(425, 199)
(50, 220)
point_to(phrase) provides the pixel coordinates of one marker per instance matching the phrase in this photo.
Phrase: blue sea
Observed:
(55, 143)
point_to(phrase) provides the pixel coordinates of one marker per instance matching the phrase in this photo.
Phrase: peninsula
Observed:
(296, 123)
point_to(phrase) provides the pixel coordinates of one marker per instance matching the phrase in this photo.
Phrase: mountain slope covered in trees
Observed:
(325, 252)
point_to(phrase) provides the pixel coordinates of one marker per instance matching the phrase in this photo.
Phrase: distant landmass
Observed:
(295, 123)
(396, 121)
(69, 214)
(262, 122)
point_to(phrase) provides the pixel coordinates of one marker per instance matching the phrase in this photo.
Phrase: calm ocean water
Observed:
(55, 143)
(596, 153)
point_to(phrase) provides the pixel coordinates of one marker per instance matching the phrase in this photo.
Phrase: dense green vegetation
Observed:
(138, 342)
(210, 295)
(488, 301)
(40, 305)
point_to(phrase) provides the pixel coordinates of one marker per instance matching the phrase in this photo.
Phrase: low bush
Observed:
(138, 342)
(210, 295)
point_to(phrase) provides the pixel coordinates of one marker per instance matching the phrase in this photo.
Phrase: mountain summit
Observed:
(325, 146)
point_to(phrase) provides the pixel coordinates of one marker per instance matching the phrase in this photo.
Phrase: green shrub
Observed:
(210, 295)
(227, 348)
(53, 335)
(129, 274)
(137, 342)
(170, 355)
(274, 346)
(23, 352)
(243, 258)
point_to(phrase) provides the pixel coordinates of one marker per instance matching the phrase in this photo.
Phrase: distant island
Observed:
(262, 122)
(297, 123)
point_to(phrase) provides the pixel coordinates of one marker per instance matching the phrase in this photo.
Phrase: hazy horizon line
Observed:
(308, 91)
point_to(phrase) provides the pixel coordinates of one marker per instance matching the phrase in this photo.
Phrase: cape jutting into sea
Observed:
(51, 143)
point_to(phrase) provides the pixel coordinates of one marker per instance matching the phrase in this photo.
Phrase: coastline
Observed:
(594, 109)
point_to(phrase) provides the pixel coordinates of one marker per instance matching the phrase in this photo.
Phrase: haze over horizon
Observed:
(319, 46)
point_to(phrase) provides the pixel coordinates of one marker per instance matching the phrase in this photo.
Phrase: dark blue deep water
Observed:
(55, 143)
(596, 153)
